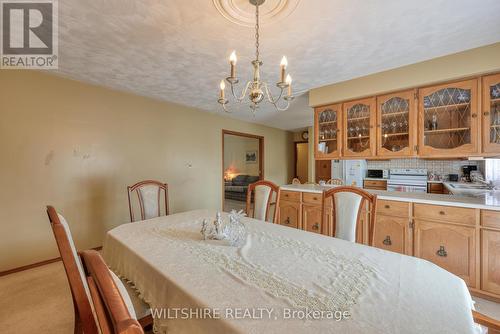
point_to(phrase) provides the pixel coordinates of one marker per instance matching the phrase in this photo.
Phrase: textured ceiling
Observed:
(177, 50)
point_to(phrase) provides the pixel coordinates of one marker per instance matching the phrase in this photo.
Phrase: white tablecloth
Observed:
(277, 271)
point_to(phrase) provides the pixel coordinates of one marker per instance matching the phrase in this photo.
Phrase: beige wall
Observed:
(78, 146)
(235, 148)
(468, 63)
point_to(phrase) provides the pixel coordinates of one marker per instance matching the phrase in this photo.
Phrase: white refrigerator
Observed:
(352, 172)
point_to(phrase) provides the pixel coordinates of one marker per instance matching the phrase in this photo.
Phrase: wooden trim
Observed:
(36, 264)
(490, 323)
(261, 156)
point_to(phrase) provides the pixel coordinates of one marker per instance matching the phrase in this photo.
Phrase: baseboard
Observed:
(35, 265)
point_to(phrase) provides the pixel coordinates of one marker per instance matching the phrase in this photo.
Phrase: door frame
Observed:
(295, 156)
(261, 156)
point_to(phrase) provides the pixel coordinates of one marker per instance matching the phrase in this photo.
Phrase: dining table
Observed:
(281, 280)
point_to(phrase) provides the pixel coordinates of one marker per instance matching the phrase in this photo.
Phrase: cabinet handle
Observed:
(387, 241)
(473, 115)
(442, 252)
(387, 206)
(287, 220)
(486, 113)
(378, 125)
(315, 226)
(441, 212)
(315, 198)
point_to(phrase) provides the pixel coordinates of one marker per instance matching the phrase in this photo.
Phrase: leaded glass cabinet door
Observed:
(327, 136)
(491, 114)
(359, 128)
(448, 120)
(396, 124)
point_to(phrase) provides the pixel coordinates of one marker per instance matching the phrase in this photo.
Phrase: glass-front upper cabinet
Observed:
(448, 119)
(327, 136)
(396, 124)
(359, 128)
(491, 114)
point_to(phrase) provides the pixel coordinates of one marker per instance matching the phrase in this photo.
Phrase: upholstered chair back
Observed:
(150, 196)
(85, 320)
(347, 205)
(264, 195)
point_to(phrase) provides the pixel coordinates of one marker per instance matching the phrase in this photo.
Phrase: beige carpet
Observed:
(36, 301)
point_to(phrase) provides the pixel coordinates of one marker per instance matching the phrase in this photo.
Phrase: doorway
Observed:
(242, 164)
(302, 161)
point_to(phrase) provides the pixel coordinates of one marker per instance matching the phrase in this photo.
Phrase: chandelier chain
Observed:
(257, 32)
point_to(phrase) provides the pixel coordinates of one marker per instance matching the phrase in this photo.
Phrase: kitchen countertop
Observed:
(375, 179)
(489, 200)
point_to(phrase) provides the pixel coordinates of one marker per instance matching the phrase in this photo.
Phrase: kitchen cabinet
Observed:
(323, 170)
(448, 120)
(490, 261)
(327, 134)
(440, 121)
(290, 214)
(391, 233)
(491, 113)
(375, 184)
(359, 128)
(311, 216)
(451, 247)
(396, 124)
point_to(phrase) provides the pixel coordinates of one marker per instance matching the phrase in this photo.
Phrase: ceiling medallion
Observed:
(241, 12)
(257, 89)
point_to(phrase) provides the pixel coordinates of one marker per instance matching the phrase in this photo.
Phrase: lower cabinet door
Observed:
(290, 214)
(311, 218)
(449, 246)
(391, 233)
(490, 257)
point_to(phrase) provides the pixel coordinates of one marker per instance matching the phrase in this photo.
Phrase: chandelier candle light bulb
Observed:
(232, 60)
(283, 65)
(222, 87)
(289, 84)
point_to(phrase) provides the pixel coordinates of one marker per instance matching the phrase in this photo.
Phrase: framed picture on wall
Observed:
(251, 157)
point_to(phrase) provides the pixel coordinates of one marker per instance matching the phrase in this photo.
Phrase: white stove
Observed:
(408, 180)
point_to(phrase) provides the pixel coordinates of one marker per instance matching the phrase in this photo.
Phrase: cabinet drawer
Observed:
(445, 213)
(290, 214)
(311, 218)
(393, 208)
(390, 233)
(374, 184)
(435, 188)
(451, 247)
(490, 218)
(290, 195)
(312, 198)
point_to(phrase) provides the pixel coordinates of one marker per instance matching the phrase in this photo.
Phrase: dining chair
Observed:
(149, 198)
(85, 321)
(264, 195)
(296, 181)
(347, 204)
(85, 312)
(337, 182)
(114, 309)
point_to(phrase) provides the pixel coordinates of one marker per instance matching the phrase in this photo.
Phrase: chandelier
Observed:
(256, 90)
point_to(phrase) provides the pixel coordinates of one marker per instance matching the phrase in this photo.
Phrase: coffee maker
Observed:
(466, 172)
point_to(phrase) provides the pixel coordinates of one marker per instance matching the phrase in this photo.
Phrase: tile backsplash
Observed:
(441, 167)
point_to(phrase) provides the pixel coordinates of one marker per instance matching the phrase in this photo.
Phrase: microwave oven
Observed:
(377, 173)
